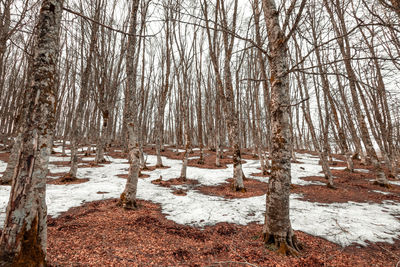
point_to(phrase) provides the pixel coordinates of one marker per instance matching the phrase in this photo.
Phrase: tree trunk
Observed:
(306, 111)
(128, 197)
(77, 123)
(102, 142)
(277, 231)
(344, 46)
(7, 176)
(24, 236)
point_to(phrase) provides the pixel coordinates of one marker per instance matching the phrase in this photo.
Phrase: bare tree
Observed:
(344, 45)
(277, 229)
(24, 236)
(77, 123)
(128, 197)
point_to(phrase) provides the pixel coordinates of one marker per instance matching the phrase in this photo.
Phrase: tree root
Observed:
(331, 186)
(127, 204)
(101, 161)
(288, 246)
(182, 179)
(382, 184)
(5, 182)
(130, 205)
(121, 199)
(68, 178)
(237, 188)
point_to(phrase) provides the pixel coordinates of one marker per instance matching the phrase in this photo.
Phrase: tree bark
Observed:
(24, 236)
(8, 174)
(128, 197)
(277, 230)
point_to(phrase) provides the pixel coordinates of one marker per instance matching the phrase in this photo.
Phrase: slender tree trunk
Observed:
(200, 116)
(344, 46)
(306, 111)
(187, 147)
(218, 143)
(128, 197)
(77, 124)
(163, 93)
(102, 142)
(326, 88)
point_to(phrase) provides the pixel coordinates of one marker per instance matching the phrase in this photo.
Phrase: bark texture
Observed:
(277, 231)
(128, 197)
(6, 178)
(24, 236)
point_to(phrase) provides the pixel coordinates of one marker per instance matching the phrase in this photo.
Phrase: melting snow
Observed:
(381, 192)
(342, 223)
(361, 170)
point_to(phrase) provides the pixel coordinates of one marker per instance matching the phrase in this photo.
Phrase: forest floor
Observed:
(202, 222)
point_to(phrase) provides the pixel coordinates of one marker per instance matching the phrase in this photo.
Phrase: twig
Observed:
(341, 228)
(298, 103)
(235, 262)
(245, 261)
(389, 252)
(333, 256)
(106, 26)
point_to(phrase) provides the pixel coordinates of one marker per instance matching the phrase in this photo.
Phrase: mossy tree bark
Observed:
(6, 178)
(277, 231)
(24, 236)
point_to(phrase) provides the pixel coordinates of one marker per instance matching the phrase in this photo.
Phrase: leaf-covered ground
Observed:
(102, 234)
(203, 222)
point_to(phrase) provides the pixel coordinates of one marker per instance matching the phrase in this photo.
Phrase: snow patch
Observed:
(342, 223)
(361, 170)
(381, 192)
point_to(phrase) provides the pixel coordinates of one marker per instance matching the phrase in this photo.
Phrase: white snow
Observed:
(361, 170)
(338, 168)
(342, 223)
(3, 166)
(308, 167)
(394, 182)
(381, 192)
(88, 159)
